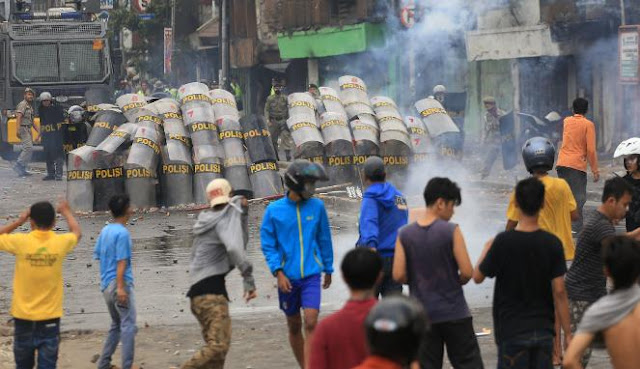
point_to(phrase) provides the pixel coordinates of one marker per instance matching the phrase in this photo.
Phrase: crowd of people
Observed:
(551, 298)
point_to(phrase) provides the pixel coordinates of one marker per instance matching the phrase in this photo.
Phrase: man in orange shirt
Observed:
(578, 148)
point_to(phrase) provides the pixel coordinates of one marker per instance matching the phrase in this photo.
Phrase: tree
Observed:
(148, 53)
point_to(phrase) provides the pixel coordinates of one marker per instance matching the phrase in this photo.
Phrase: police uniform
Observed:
(491, 138)
(24, 133)
(74, 135)
(51, 119)
(276, 110)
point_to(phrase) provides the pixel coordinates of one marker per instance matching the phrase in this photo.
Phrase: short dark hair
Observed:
(616, 187)
(621, 256)
(118, 204)
(442, 188)
(43, 214)
(361, 268)
(580, 106)
(530, 196)
(377, 177)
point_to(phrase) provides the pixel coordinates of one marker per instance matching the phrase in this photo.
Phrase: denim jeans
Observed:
(123, 327)
(42, 337)
(527, 351)
(388, 286)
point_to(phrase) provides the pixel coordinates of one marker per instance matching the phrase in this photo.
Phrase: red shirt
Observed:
(377, 362)
(339, 340)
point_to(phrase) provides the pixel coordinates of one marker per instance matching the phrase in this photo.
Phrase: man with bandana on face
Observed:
(296, 243)
(276, 112)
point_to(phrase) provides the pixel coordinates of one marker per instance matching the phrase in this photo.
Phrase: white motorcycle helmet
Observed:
(627, 148)
(76, 114)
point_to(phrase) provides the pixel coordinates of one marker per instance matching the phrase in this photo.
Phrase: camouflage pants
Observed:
(577, 310)
(212, 312)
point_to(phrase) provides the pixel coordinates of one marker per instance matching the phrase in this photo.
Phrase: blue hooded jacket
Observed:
(296, 238)
(384, 210)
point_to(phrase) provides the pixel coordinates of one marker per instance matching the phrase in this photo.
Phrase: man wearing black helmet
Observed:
(383, 212)
(559, 208)
(296, 243)
(394, 328)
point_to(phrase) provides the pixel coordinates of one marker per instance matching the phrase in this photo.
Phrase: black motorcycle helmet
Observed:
(158, 96)
(302, 175)
(538, 153)
(395, 327)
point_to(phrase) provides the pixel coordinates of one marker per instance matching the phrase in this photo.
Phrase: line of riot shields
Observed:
(164, 153)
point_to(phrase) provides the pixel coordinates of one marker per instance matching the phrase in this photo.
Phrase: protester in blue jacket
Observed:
(296, 243)
(383, 212)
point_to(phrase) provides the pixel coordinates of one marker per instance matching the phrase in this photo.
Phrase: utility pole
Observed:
(173, 41)
(224, 45)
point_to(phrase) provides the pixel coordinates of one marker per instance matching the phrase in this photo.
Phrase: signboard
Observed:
(629, 51)
(106, 4)
(146, 16)
(168, 50)
(408, 13)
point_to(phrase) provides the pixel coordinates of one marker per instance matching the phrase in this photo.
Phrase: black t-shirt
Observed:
(213, 285)
(524, 264)
(585, 279)
(633, 215)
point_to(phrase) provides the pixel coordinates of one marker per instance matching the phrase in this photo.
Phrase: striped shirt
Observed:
(585, 279)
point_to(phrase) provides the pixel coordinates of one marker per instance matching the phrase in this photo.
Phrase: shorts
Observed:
(305, 294)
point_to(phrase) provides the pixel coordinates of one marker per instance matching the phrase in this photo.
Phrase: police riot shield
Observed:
(107, 182)
(353, 93)
(122, 134)
(307, 137)
(145, 149)
(265, 179)
(79, 179)
(178, 142)
(140, 184)
(395, 147)
(508, 138)
(366, 140)
(434, 117)
(130, 103)
(203, 173)
(301, 103)
(420, 141)
(235, 162)
(196, 104)
(176, 183)
(224, 104)
(338, 148)
(331, 101)
(105, 122)
(383, 104)
(257, 139)
(368, 119)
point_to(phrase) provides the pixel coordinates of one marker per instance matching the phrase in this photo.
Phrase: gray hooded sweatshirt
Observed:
(220, 242)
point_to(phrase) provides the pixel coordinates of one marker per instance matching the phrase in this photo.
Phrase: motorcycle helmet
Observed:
(553, 117)
(76, 114)
(394, 328)
(630, 150)
(301, 177)
(45, 96)
(538, 153)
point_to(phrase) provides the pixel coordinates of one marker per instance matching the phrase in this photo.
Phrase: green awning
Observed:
(330, 41)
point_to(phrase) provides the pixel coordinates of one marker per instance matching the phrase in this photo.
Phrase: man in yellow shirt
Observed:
(557, 212)
(36, 305)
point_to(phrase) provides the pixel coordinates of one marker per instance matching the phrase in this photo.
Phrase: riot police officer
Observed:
(75, 132)
(276, 112)
(51, 119)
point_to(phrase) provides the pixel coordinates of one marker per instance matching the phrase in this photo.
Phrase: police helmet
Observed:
(302, 174)
(76, 114)
(45, 96)
(395, 327)
(158, 96)
(439, 89)
(538, 153)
